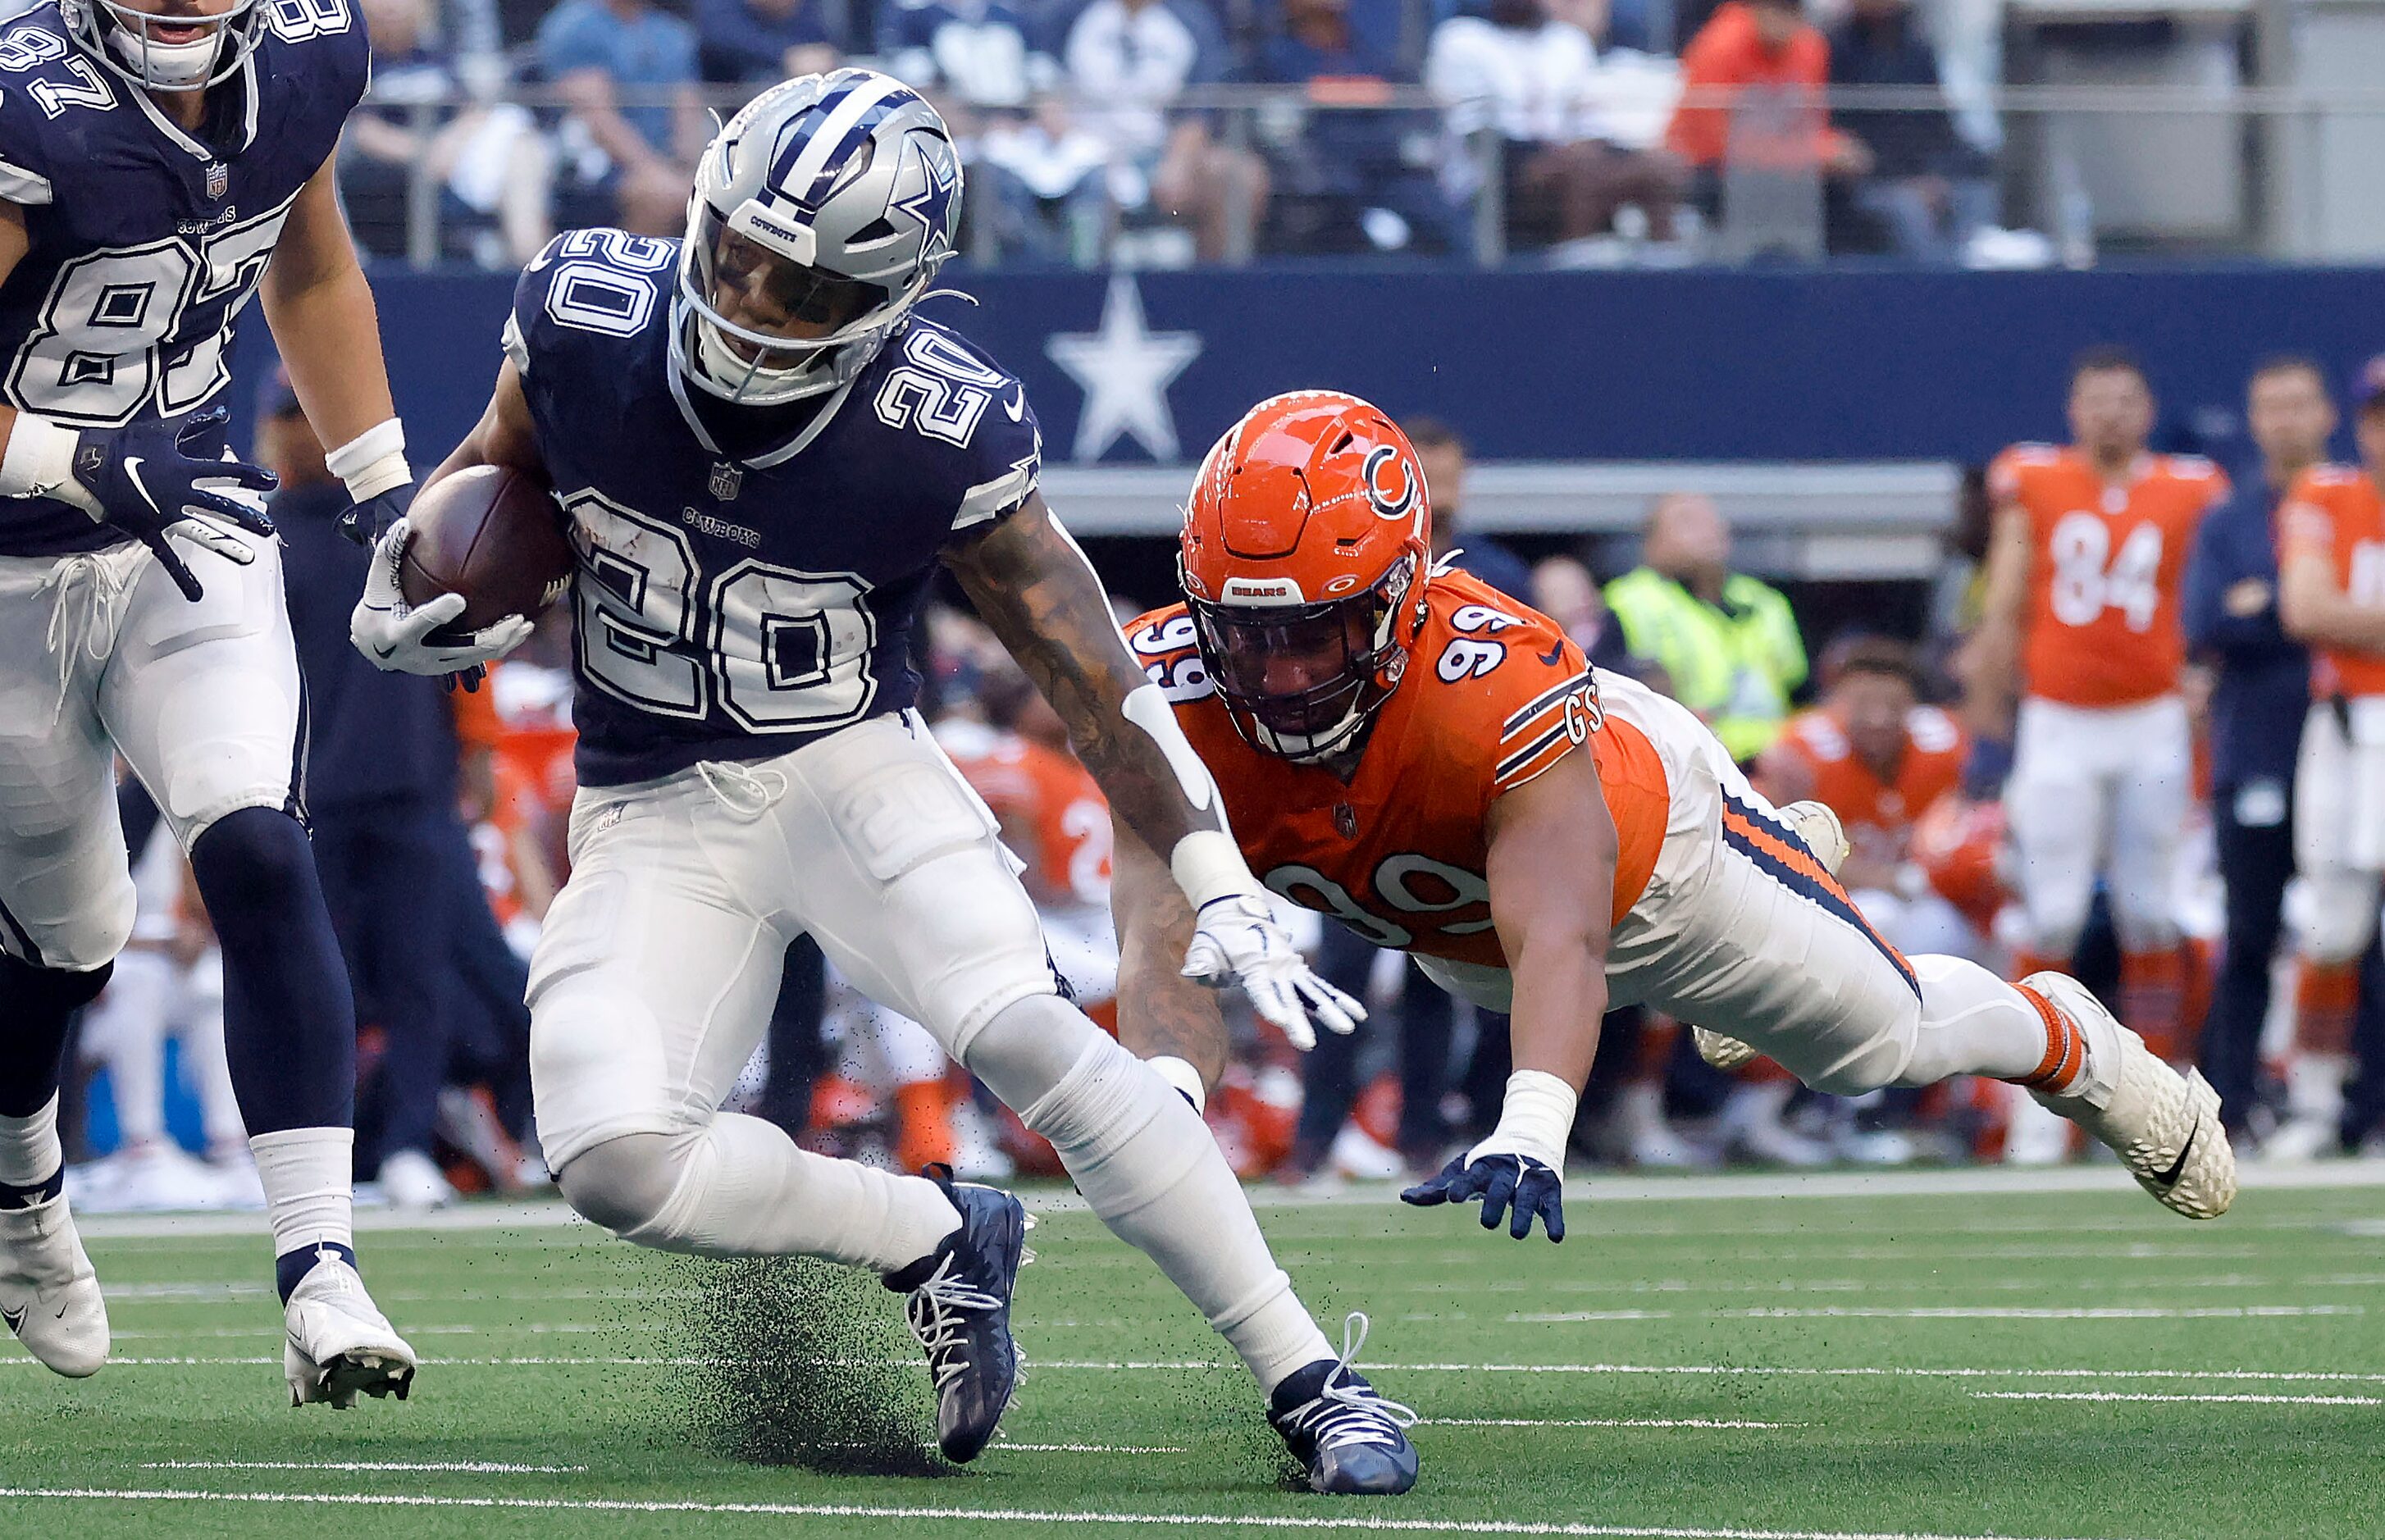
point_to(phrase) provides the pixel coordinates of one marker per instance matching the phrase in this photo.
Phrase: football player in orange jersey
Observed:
(2331, 595)
(2080, 615)
(1436, 765)
(1877, 757)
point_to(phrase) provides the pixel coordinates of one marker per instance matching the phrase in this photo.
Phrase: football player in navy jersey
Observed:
(763, 458)
(154, 156)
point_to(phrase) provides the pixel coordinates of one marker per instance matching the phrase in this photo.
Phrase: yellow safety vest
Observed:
(1734, 665)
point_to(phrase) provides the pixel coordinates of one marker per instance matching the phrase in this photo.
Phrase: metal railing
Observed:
(2250, 172)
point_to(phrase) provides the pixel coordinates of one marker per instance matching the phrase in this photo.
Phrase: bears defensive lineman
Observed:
(154, 156)
(763, 458)
(1436, 766)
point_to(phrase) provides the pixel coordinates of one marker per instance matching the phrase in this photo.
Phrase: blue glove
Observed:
(147, 480)
(368, 521)
(1500, 1181)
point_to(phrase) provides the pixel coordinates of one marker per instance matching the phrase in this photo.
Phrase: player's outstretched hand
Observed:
(410, 638)
(1237, 941)
(1508, 1183)
(145, 479)
(366, 522)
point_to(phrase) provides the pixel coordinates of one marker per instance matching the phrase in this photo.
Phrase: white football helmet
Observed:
(821, 213)
(120, 35)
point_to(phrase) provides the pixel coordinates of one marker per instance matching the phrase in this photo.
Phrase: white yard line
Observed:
(2149, 1396)
(472, 1467)
(1359, 1523)
(1942, 1312)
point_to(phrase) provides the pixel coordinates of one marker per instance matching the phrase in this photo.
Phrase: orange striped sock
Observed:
(2066, 1048)
(2153, 993)
(2325, 996)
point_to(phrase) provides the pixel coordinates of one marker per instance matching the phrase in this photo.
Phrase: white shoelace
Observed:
(1341, 1415)
(936, 1311)
(92, 626)
(744, 791)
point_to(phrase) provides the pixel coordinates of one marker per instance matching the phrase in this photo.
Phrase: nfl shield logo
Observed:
(725, 480)
(219, 179)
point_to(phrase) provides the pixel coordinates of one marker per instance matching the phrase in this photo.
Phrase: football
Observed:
(492, 535)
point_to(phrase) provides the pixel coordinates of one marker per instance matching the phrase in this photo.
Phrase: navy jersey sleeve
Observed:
(989, 451)
(578, 305)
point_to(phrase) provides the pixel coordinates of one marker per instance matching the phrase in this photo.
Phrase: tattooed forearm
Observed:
(1160, 1011)
(1037, 592)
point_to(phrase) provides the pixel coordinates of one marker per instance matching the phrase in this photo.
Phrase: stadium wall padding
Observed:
(1852, 363)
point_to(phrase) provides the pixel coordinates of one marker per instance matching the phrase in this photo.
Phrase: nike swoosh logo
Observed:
(132, 474)
(15, 1320)
(1550, 657)
(386, 651)
(1017, 405)
(2178, 1167)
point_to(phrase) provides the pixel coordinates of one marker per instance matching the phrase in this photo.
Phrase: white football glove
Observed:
(396, 635)
(1237, 941)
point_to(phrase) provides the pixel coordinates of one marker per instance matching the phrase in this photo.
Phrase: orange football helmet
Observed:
(1304, 559)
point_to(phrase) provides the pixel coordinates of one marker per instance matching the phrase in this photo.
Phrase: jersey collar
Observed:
(770, 459)
(173, 131)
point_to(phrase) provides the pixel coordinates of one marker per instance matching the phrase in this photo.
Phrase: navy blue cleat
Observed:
(1354, 1441)
(959, 1308)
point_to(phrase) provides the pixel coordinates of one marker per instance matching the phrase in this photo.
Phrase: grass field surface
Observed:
(1962, 1356)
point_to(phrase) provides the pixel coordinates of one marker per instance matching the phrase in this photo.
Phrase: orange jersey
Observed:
(1046, 801)
(2105, 569)
(1879, 814)
(2335, 513)
(1494, 694)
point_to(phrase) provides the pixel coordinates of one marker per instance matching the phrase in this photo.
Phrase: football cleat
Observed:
(1353, 1441)
(338, 1341)
(1826, 837)
(2164, 1125)
(960, 1312)
(48, 1293)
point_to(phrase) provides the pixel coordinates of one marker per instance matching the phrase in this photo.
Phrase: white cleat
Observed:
(2164, 1125)
(48, 1293)
(339, 1343)
(1723, 1053)
(1820, 829)
(2303, 1138)
(1826, 837)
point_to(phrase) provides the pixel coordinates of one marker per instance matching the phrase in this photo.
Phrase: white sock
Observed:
(308, 1195)
(30, 1151)
(2315, 1085)
(1972, 1023)
(1146, 1161)
(745, 1189)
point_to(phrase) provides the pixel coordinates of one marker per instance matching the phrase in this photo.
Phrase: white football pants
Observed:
(2099, 793)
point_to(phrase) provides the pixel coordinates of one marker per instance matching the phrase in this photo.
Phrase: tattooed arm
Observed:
(1037, 591)
(1161, 1014)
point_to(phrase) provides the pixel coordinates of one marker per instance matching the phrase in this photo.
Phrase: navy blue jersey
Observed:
(734, 606)
(147, 242)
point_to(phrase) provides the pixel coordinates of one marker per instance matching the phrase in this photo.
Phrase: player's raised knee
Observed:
(625, 1184)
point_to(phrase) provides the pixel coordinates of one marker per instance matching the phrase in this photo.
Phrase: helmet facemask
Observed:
(122, 38)
(761, 328)
(1304, 681)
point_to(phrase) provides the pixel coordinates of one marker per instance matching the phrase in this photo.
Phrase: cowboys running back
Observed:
(154, 156)
(1437, 767)
(763, 458)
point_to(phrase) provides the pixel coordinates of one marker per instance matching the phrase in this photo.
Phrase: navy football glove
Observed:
(368, 521)
(150, 481)
(1517, 1184)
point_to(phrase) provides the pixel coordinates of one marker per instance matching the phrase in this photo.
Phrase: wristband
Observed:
(373, 462)
(39, 462)
(1181, 1077)
(1208, 865)
(1535, 1119)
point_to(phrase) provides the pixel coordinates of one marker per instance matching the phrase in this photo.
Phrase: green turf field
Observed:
(2075, 1363)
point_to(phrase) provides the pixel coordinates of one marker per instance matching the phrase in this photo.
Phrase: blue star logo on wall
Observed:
(1125, 369)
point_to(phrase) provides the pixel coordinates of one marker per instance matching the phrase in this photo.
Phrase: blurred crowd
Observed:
(1133, 130)
(439, 823)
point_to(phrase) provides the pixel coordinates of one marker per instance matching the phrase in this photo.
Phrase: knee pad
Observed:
(253, 859)
(626, 1183)
(1031, 1045)
(1867, 1069)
